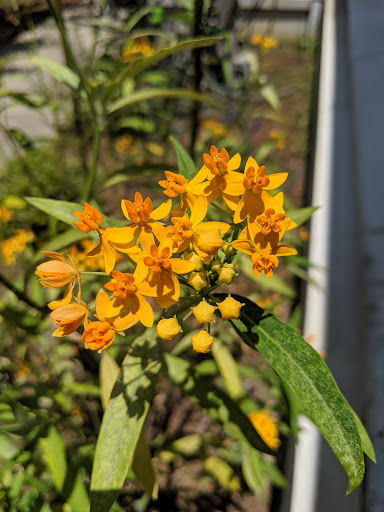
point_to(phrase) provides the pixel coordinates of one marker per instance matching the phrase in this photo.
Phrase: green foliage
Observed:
(185, 163)
(306, 373)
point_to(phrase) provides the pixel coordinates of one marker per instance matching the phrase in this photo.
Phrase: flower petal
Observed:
(213, 225)
(244, 246)
(276, 180)
(162, 210)
(284, 250)
(102, 303)
(180, 266)
(200, 176)
(125, 321)
(234, 162)
(230, 201)
(142, 309)
(121, 235)
(199, 210)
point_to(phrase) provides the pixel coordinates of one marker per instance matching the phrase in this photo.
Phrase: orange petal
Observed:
(102, 303)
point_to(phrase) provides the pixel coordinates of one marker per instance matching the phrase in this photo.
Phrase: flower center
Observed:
(264, 262)
(271, 221)
(256, 180)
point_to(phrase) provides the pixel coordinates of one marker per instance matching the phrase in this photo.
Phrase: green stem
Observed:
(94, 273)
(22, 296)
(94, 162)
(221, 210)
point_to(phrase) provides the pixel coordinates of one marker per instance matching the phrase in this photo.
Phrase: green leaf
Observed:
(307, 374)
(186, 166)
(365, 440)
(68, 482)
(301, 215)
(223, 473)
(58, 71)
(217, 404)
(142, 63)
(149, 94)
(144, 469)
(123, 420)
(109, 370)
(63, 210)
(252, 468)
(136, 123)
(22, 98)
(228, 369)
(269, 93)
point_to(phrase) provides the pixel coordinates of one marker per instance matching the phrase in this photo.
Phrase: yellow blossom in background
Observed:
(265, 42)
(123, 143)
(230, 308)
(16, 244)
(5, 214)
(215, 126)
(197, 280)
(279, 137)
(304, 233)
(204, 312)
(140, 45)
(202, 341)
(267, 428)
(168, 328)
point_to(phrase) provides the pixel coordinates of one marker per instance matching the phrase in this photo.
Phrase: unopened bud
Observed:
(230, 308)
(197, 280)
(210, 241)
(216, 264)
(204, 312)
(226, 273)
(168, 328)
(195, 258)
(202, 341)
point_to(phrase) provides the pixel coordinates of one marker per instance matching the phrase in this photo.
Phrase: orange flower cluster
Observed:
(190, 251)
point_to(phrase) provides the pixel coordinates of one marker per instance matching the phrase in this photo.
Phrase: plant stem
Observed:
(94, 273)
(22, 296)
(94, 162)
(221, 210)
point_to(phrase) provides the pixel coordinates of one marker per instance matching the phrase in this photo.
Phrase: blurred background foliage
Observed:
(112, 109)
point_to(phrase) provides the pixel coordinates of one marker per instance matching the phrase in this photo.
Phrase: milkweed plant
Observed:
(176, 260)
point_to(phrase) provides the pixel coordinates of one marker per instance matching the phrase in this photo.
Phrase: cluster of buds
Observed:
(191, 251)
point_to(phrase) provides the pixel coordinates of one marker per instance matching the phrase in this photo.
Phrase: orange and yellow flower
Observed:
(99, 335)
(266, 426)
(58, 272)
(69, 317)
(176, 184)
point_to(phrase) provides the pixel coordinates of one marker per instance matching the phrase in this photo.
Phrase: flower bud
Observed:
(202, 341)
(230, 308)
(228, 250)
(168, 328)
(226, 273)
(215, 265)
(210, 241)
(197, 280)
(204, 312)
(195, 258)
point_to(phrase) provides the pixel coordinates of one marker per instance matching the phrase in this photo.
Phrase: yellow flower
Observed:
(110, 238)
(204, 236)
(168, 328)
(265, 42)
(69, 317)
(279, 137)
(123, 143)
(256, 185)
(128, 293)
(202, 341)
(215, 126)
(15, 244)
(226, 273)
(145, 221)
(140, 45)
(222, 176)
(230, 308)
(266, 426)
(5, 214)
(56, 273)
(176, 184)
(100, 334)
(204, 312)
(197, 280)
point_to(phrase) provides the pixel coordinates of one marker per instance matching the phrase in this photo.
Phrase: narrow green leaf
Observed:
(307, 374)
(63, 210)
(123, 420)
(143, 467)
(301, 215)
(217, 404)
(136, 17)
(109, 370)
(22, 98)
(186, 166)
(149, 94)
(252, 468)
(58, 71)
(366, 443)
(228, 369)
(270, 93)
(141, 63)
(223, 473)
(68, 482)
